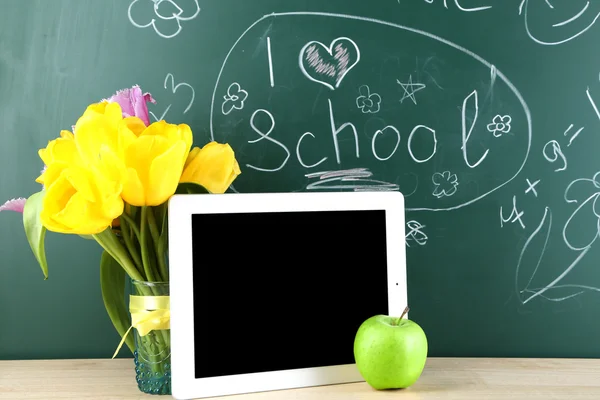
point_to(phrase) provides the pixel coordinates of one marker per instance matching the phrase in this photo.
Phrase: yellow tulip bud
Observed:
(154, 162)
(214, 167)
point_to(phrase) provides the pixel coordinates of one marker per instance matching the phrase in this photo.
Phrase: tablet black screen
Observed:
(285, 290)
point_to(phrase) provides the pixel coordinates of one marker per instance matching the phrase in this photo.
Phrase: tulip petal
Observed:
(60, 191)
(193, 153)
(112, 208)
(51, 173)
(94, 134)
(78, 179)
(16, 205)
(79, 204)
(140, 154)
(61, 149)
(163, 129)
(186, 135)
(110, 112)
(165, 172)
(215, 168)
(57, 194)
(134, 103)
(79, 214)
(134, 125)
(171, 132)
(133, 190)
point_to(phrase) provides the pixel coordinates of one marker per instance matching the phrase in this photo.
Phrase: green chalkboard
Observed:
(483, 113)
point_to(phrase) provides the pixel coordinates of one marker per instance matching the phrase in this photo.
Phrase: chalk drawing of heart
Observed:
(329, 65)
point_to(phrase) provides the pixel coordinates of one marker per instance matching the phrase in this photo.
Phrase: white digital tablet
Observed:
(268, 290)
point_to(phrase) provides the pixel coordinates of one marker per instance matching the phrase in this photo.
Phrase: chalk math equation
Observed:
(579, 232)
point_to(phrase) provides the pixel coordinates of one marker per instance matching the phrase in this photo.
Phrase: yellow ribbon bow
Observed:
(148, 313)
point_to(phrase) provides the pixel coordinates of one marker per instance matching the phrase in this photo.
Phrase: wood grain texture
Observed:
(443, 378)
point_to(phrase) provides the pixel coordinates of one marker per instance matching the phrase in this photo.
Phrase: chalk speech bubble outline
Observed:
(496, 73)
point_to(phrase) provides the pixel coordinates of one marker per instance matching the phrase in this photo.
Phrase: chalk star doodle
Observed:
(410, 89)
(234, 100)
(415, 233)
(446, 184)
(368, 102)
(164, 10)
(499, 125)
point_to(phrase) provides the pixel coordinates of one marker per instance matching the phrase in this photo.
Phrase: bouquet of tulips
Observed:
(109, 178)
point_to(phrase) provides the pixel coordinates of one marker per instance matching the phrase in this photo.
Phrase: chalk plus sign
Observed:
(532, 186)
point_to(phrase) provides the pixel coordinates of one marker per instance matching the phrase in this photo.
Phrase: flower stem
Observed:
(109, 241)
(159, 250)
(132, 224)
(152, 225)
(130, 244)
(144, 246)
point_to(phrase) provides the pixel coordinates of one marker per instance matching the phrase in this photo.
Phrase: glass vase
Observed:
(152, 354)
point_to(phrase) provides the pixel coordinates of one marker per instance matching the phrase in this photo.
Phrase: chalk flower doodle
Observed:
(164, 10)
(446, 184)
(368, 102)
(235, 98)
(499, 125)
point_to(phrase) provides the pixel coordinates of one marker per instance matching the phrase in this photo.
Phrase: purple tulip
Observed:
(134, 103)
(16, 205)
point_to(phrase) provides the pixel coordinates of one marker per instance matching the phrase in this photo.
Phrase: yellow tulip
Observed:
(81, 202)
(214, 167)
(85, 172)
(154, 162)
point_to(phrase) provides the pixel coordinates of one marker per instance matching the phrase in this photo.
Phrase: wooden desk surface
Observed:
(443, 378)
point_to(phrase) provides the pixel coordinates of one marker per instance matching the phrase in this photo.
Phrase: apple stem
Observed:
(403, 314)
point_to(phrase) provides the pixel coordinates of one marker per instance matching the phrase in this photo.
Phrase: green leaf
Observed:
(112, 283)
(34, 230)
(88, 237)
(191, 188)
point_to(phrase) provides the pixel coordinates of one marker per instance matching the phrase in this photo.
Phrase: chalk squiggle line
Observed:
(356, 179)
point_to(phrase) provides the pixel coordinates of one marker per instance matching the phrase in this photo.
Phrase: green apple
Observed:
(390, 352)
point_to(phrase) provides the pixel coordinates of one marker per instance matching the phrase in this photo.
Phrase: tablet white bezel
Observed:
(181, 209)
